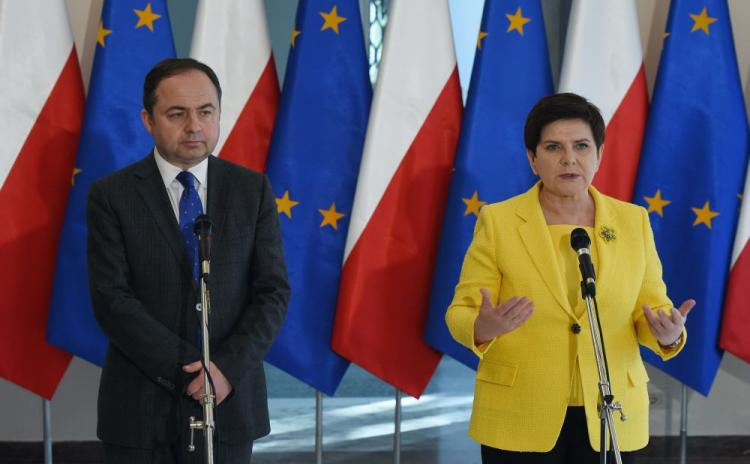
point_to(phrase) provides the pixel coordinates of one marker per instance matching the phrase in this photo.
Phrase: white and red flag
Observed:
(42, 108)
(603, 61)
(400, 199)
(231, 36)
(735, 321)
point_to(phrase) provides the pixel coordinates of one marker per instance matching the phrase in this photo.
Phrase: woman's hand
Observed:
(668, 328)
(494, 321)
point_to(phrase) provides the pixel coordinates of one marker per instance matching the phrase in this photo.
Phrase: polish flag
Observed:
(231, 36)
(603, 62)
(735, 323)
(400, 199)
(42, 100)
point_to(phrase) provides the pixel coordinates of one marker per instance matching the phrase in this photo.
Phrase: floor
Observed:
(702, 450)
(433, 431)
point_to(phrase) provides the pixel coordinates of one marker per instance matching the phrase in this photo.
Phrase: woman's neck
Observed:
(577, 210)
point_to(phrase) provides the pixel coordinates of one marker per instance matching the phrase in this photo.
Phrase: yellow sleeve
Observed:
(653, 293)
(480, 270)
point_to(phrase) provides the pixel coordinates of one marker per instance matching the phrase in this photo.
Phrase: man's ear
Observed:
(148, 122)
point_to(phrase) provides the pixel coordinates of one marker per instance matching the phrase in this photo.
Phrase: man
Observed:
(143, 281)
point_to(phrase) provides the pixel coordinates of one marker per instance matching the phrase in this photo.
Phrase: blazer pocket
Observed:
(637, 375)
(497, 372)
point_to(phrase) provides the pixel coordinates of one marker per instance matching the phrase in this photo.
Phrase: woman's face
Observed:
(566, 158)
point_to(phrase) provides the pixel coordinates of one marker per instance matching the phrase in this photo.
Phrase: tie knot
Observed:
(186, 179)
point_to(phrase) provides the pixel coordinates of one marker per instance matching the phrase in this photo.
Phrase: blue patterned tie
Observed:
(190, 208)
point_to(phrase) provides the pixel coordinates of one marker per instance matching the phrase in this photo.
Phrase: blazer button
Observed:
(575, 328)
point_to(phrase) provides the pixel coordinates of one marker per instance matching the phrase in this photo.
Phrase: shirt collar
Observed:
(169, 171)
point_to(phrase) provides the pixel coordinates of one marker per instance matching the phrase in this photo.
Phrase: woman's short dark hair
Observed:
(562, 106)
(172, 67)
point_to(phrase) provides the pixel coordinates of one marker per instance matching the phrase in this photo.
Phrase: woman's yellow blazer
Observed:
(524, 377)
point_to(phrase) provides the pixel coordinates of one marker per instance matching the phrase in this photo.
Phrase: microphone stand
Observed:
(607, 405)
(203, 231)
(580, 242)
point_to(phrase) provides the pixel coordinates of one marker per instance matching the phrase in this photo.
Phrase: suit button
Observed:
(575, 328)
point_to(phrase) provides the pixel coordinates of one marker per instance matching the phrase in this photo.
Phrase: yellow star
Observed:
(146, 17)
(102, 33)
(285, 204)
(73, 176)
(332, 20)
(656, 203)
(482, 35)
(517, 21)
(295, 33)
(331, 216)
(702, 21)
(704, 215)
(473, 204)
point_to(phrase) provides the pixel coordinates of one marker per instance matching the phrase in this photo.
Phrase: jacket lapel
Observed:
(150, 187)
(604, 238)
(536, 239)
(217, 197)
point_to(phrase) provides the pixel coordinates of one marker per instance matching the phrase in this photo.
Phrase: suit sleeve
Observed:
(149, 344)
(480, 270)
(653, 293)
(261, 320)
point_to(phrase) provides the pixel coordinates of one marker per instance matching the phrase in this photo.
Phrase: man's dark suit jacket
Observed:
(144, 299)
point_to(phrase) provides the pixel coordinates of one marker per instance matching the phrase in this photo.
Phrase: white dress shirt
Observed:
(169, 173)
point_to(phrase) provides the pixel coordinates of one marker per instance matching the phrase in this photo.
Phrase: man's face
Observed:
(185, 119)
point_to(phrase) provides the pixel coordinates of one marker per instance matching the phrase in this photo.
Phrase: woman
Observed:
(518, 302)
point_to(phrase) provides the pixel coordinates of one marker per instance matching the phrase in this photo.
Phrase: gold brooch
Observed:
(607, 234)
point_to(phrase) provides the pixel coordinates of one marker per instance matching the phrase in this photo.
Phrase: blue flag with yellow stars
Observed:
(132, 37)
(511, 72)
(313, 165)
(691, 175)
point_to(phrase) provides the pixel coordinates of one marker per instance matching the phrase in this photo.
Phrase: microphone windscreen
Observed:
(579, 239)
(202, 225)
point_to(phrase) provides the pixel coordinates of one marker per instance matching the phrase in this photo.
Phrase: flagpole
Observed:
(397, 430)
(46, 408)
(683, 425)
(318, 427)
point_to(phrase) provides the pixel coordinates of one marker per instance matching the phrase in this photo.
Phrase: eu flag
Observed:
(511, 72)
(313, 165)
(132, 37)
(692, 172)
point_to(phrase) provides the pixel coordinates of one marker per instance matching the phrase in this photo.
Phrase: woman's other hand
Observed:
(494, 321)
(668, 328)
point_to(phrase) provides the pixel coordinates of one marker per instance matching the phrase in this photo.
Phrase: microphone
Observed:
(202, 229)
(580, 242)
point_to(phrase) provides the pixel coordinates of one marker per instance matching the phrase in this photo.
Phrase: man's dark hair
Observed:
(172, 67)
(562, 106)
